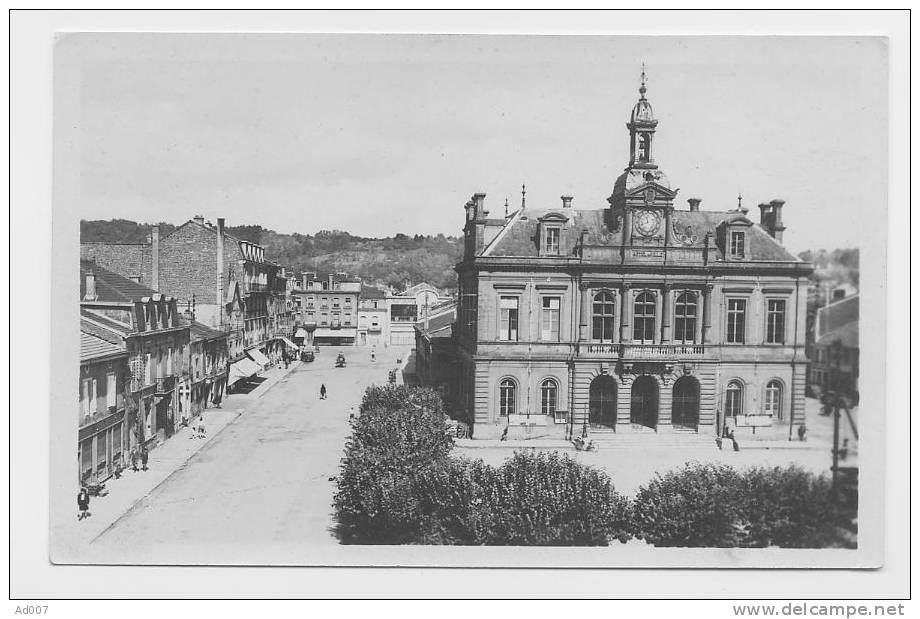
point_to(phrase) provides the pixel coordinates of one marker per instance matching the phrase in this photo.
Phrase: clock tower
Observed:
(642, 198)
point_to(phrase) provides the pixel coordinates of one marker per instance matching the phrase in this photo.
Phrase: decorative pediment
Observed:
(553, 217)
(738, 220)
(651, 192)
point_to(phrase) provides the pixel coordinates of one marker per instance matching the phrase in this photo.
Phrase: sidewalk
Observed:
(166, 459)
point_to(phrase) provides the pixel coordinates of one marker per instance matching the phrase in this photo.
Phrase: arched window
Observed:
(773, 402)
(506, 392)
(644, 317)
(602, 323)
(645, 143)
(734, 399)
(548, 390)
(685, 318)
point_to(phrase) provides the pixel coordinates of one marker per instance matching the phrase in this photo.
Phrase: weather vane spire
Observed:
(523, 196)
(506, 206)
(642, 85)
(739, 200)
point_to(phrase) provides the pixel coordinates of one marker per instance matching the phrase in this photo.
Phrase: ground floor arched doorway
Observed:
(644, 402)
(685, 410)
(602, 401)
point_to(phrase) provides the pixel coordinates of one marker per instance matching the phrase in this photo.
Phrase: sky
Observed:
(379, 134)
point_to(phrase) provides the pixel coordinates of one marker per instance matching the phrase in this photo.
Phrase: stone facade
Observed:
(638, 317)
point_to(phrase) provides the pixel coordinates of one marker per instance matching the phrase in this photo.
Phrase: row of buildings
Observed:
(171, 326)
(640, 316)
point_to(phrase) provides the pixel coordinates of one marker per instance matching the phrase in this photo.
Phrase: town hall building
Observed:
(637, 317)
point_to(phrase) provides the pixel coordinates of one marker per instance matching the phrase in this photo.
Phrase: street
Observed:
(265, 478)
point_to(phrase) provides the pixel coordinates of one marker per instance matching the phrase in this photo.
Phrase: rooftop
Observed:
(96, 342)
(111, 287)
(520, 235)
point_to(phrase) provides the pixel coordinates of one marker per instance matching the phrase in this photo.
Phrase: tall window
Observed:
(736, 246)
(148, 369)
(734, 399)
(602, 320)
(552, 241)
(88, 396)
(776, 321)
(506, 397)
(550, 322)
(110, 390)
(644, 317)
(508, 329)
(773, 402)
(685, 318)
(548, 397)
(735, 334)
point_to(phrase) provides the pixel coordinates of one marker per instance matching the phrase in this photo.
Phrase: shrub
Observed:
(791, 508)
(399, 432)
(708, 505)
(697, 505)
(533, 499)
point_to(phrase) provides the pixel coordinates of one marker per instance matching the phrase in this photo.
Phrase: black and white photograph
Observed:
(469, 300)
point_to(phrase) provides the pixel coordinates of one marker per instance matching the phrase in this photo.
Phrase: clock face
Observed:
(647, 222)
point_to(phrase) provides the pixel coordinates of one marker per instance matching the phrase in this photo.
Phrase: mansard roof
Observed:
(519, 238)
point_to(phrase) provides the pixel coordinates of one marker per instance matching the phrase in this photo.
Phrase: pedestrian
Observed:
(201, 431)
(83, 503)
(134, 460)
(322, 391)
(284, 357)
(144, 456)
(802, 431)
(351, 413)
(735, 445)
(373, 356)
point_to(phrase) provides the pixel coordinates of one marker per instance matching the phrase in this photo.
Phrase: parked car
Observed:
(307, 355)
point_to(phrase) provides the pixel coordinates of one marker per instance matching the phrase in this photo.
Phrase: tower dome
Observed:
(642, 112)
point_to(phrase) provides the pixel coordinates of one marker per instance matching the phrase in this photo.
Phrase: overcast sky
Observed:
(382, 134)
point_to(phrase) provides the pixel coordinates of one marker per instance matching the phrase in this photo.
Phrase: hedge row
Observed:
(717, 506)
(399, 485)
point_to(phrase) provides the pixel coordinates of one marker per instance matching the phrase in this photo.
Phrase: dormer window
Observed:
(550, 233)
(736, 244)
(551, 243)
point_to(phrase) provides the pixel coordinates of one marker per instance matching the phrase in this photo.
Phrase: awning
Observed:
(289, 343)
(258, 357)
(339, 333)
(244, 368)
(301, 333)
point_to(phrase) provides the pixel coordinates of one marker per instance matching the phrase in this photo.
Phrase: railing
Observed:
(647, 351)
(661, 351)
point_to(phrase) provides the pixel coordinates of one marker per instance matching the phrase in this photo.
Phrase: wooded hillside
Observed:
(398, 261)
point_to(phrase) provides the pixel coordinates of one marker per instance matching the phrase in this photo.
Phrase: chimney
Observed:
(90, 294)
(155, 258)
(694, 204)
(479, 201)
(839, 293)
(778, 226)
(765, 212)
(199, 219)
(220, 267)
(566, 201)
